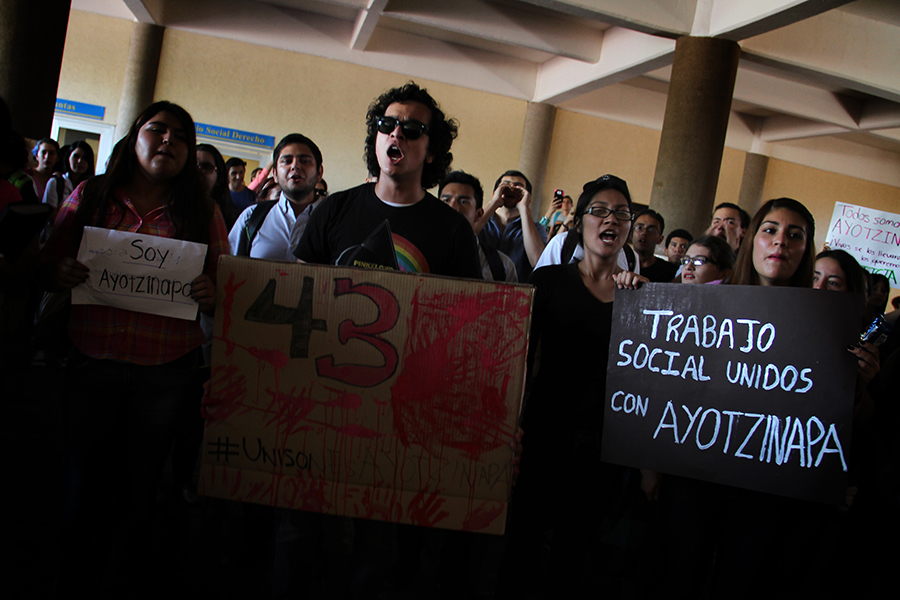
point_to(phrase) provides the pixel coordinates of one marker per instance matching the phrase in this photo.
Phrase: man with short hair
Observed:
(270, 229)
(507, 226)
(646, 234)
(241, 195)
(394, 223)
(463, 193)
(677, 244)
(729, 221)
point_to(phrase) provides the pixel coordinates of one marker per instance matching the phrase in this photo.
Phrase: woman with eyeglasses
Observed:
(211, 165)
(709, 259)
(563, 486)
(133, 377)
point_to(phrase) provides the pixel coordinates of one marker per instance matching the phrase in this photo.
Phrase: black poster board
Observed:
(770, 411)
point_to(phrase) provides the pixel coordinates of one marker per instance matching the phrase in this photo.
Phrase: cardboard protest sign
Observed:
(135, 271)
(871, 236)
(370, 394)
(741, 385)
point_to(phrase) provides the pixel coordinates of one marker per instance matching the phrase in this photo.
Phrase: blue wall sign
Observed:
(235, 135)
(80, 109)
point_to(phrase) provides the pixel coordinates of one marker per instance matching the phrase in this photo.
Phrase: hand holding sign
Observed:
(70, 273)
(139, 272)
(365, 393)
(203, 291)
(739, 385)
(869, 362)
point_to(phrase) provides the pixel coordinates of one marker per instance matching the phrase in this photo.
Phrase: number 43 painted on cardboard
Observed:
(264, 310)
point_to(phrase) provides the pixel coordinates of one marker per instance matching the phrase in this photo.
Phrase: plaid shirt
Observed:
(124, 335)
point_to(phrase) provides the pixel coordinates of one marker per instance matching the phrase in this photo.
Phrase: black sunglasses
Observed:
(411, 129)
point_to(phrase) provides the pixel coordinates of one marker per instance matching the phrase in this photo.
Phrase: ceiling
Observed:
(811, 71)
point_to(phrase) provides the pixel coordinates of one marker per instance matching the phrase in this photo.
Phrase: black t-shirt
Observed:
(662, 271)
(355, 228)
(573, 328)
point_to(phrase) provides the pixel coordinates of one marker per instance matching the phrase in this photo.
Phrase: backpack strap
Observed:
(60, 189)
(568, 248)
(251, 227)
(498, 271)
(630, 257)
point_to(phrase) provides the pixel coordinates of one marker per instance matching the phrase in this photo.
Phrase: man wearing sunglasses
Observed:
(271, 228)
(507, 226)
(394, 223)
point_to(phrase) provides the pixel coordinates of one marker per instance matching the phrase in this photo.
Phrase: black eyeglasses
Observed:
(697, 261)
(602, 212)
(411, 129)
(206, 167)
(320, 193)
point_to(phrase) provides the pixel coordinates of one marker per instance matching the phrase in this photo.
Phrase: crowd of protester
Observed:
(606, 530)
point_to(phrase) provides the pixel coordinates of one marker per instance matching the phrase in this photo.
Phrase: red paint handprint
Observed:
(427, 511)
(382, 504)
(482, 516)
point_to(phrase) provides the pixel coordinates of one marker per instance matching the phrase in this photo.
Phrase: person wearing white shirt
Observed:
(298, 168)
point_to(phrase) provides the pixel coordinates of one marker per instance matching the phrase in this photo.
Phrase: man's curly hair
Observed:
(441, 132)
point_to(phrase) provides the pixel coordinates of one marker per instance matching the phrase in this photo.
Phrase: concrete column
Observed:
(535, 149)
(32, 38)
(693, 133)
(140, 74)
(754, 179)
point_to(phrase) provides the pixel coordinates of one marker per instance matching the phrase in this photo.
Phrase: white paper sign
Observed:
(871, 236)
(139, 272)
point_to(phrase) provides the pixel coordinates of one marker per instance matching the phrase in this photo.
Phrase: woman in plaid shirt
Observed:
(132, 376)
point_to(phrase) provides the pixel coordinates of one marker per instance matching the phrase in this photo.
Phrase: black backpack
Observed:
(251, 227)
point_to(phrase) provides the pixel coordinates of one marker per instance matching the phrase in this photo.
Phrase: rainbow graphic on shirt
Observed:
(409, 258)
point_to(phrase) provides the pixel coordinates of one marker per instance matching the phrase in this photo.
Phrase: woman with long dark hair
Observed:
(879, 289)
(838, 271)
(778, 247)
(79, 166)
(211, 165)
(132, 376)
(78, 163)
(719, 532)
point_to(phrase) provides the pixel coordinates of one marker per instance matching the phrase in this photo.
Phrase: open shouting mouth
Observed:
(394, 153)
